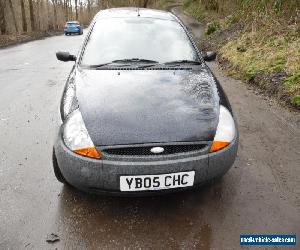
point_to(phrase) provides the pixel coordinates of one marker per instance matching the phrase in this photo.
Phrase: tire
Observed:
(56, 169)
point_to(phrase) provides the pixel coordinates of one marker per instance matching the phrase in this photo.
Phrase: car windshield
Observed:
(72, 23)
(137, 38)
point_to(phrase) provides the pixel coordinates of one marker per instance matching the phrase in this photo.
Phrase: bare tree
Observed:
(48, 25)
(70, 10)
(24, 22)
(3, 28)
(89, 7)
(37, 15)
(54, 2)
(13, 15)
(76, 10)
(145, 3)
(66, 10)
(31, 13)
(42, 15)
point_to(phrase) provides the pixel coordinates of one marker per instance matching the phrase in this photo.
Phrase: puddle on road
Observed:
(176, 221)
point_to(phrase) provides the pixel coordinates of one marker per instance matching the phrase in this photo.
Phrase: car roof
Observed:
(133, 12)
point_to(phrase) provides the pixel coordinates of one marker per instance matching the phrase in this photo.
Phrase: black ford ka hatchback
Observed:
(142, 113)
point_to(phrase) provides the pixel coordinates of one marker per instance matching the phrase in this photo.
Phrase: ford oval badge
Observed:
(157, 150)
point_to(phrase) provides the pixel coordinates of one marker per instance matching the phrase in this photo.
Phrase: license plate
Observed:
(157, 182)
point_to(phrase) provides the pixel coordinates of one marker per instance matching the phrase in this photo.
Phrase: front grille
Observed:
(146, 150)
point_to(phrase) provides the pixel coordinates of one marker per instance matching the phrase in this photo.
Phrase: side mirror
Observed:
(209, 56)
(65, 56)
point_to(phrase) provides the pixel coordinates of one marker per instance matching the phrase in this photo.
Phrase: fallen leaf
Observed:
(51, 238)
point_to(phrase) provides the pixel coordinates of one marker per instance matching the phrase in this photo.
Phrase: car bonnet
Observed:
(144, 106)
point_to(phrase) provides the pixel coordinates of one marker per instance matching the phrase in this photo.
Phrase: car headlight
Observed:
(69, 101)
(77, 138)
(225, 133)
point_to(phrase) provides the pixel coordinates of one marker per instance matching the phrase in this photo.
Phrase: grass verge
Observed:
(261, 49)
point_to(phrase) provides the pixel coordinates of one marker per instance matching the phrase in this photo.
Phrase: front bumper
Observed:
(102, 176)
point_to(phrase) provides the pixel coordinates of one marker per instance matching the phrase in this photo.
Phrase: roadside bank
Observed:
(14, 39)
(261, 48)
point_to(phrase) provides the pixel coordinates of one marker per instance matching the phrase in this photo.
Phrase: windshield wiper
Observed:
(134, 60)
(96, 66)
(183, 62)
(122, 63)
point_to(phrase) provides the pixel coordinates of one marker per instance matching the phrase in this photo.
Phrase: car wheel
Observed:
(56, 169)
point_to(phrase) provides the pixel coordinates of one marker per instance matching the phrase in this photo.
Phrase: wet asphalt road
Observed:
(260, 194)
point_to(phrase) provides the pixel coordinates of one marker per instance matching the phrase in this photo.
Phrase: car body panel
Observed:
(102, 176)
(140, 106)
(131, 107)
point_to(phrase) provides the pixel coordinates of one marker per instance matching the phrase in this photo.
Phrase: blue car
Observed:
(73, 27)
